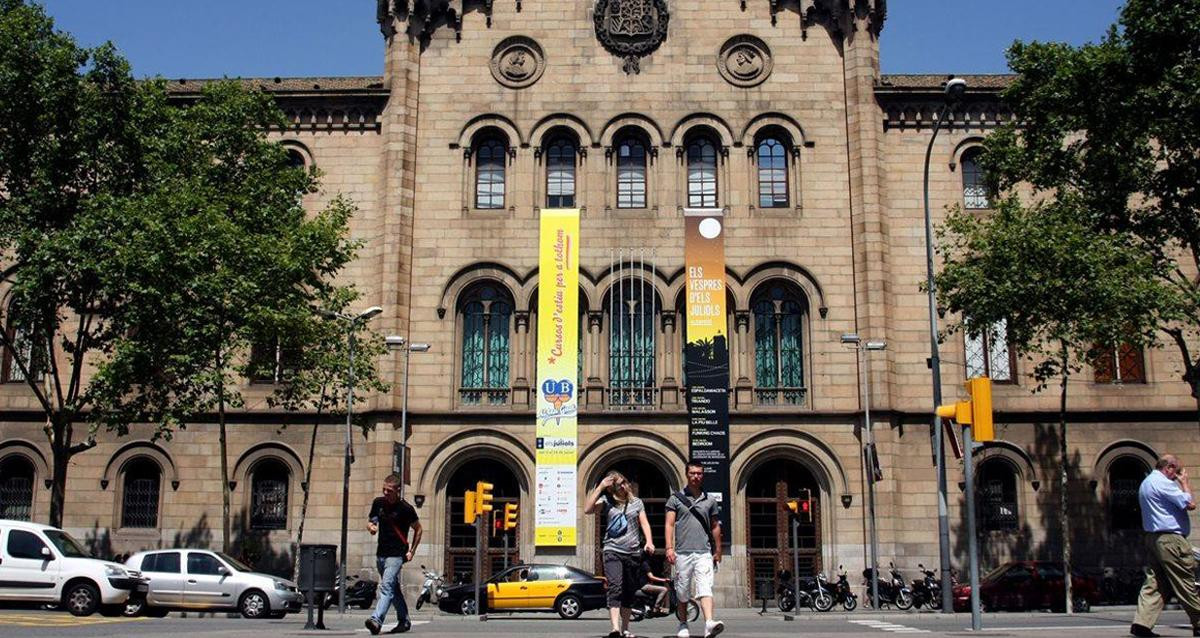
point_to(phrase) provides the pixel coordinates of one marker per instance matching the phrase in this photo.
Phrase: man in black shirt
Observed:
(390, 518)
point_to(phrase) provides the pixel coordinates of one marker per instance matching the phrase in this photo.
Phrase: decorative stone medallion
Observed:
(631, 28)
(518, 62)
(744, 61)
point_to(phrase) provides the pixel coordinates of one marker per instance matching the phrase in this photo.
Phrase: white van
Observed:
(39, 563)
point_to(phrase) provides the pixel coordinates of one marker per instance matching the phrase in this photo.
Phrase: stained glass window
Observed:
(779, 346)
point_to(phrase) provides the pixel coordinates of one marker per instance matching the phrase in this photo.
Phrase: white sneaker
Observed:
(683, 631)
(713, 628)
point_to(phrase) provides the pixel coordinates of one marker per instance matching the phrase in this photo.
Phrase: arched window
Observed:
(295, 159)
(771, 155)
(560, 173)
(486, 317)
(631, 172)
(269, 482)
(989, 355)
(996, 493)
(768, 524)
(16, 488)
(974, 189)
(1125, 476)
(779, 311)
(632, 306)
(30, 357)
(139, 493)
(461, 537)
(702, 173)
(491, 157)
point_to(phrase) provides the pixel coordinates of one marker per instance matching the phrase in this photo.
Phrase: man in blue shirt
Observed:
(1166, 499)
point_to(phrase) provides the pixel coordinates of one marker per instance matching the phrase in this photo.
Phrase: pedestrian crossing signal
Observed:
(802, 507)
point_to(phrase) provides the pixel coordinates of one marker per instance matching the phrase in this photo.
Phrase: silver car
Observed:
(201, 579)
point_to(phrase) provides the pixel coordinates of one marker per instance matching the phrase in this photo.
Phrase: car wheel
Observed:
(904, 600)
(134, 608)
(112, 611)
(254, 604)
(693, 611)
(569, 606)
(82, 599)
(467, 607)
(156, 612)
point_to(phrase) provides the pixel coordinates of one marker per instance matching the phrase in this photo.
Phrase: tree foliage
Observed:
(1111, 127)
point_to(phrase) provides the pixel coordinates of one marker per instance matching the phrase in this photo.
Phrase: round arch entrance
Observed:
(460, 537)
(651, 485)
(768, 526)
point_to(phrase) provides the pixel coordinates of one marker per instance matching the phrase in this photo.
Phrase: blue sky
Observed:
(211, 38)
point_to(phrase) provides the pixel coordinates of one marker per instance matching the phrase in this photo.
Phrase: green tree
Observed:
(221, 255)
(1061, 289)
(1112, 125)
(73, 144)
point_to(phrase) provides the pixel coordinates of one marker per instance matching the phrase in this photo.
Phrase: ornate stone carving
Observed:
(744, 61)
(631, 28)
(518, 62)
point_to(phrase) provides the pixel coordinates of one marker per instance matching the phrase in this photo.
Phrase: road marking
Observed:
(58, 620)
(890, 627)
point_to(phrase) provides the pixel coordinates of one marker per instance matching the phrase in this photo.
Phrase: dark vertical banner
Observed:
(706, 353)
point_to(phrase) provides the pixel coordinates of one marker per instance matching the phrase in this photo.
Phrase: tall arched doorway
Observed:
(654, 488)
(460, 537)
(768, 526)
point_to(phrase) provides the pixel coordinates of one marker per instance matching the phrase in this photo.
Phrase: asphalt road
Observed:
(1104, 623)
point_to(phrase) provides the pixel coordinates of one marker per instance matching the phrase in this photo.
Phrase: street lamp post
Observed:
(352, 324)
(397, 343)
(955, 88)
(864, 376)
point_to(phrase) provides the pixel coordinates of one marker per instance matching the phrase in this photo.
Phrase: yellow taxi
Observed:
(551, 588)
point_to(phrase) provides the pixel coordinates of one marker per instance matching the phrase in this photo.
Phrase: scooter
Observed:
(891, 592)
(842, 593)
(787, 599)
(360, 593)
(927, 591)
(432, 590)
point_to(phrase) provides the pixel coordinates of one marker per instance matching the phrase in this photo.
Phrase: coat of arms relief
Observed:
(631, 28)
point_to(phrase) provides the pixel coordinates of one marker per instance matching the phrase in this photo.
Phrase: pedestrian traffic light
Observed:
(483, 497)
(976, 411)
(510, 516)
(802, 507)
(469, 508)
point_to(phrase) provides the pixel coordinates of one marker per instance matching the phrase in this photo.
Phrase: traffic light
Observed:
(976, 411)
(469, 508)
(483, 497)
(802, 507)
(510, 516)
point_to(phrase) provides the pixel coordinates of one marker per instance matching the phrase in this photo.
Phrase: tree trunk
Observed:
(224, 455)
(1064, 514)
(312, 447)
(60, 450)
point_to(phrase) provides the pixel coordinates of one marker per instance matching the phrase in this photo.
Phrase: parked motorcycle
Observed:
(432, 589)
(787, 599)
(892, 591)
(927, 591)
(822, 594)
(842, 592)
(360, 592)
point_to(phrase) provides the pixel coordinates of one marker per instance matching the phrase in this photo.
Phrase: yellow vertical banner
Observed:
(557, 373)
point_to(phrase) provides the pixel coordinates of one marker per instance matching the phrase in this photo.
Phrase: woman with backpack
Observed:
(626, 535)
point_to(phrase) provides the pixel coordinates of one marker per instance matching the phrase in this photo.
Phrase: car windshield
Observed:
(238, 565)
(995, 572)
(66, 544)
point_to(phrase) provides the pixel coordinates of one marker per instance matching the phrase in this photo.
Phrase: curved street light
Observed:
(954, 91)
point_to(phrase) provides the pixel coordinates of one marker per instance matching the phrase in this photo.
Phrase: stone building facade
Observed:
(631, 110)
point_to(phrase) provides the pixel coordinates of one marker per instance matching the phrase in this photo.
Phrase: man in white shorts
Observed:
(694, 547)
